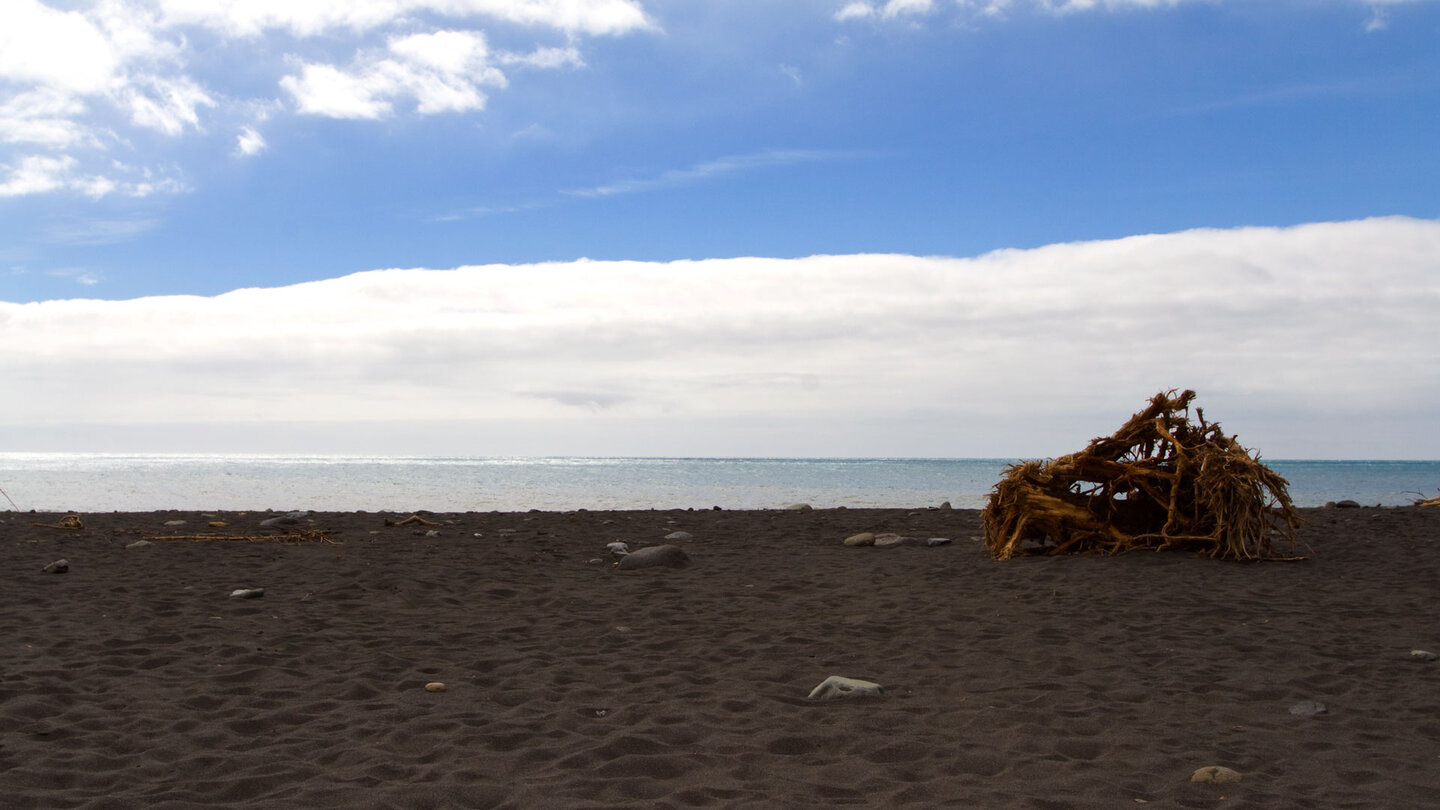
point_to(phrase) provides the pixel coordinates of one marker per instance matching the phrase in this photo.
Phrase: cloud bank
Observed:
(1311, 341)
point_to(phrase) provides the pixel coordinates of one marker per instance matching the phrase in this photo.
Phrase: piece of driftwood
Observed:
(1163, 480)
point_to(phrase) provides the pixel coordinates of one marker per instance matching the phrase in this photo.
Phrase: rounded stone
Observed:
(653, 557)
(861, 539)
(435, 686)
(1217, 774)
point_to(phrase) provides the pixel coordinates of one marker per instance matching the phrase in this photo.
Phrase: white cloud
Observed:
(44, 117)
(441, 71)
(76, 67)
(37, 173)
(1275, 327)
(167, 105)
(888, 10)
(249, 142)
(329, 91)
(712, 168)
(544, 58)
(855, 11)
(312, 17)
(63, 49)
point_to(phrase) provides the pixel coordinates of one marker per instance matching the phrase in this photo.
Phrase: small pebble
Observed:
(435, 686)
(57, 567)
(140, 544)
(247, 593)
(937, 541)
(174, 523)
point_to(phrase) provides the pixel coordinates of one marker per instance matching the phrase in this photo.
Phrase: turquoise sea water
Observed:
(105, 482)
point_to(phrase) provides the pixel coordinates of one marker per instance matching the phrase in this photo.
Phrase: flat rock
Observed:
(435, 686)
(679, 536)
(1423, 655)
(174, 523)
(861, 539)
(1218, 774)
(799, 507)
(140, 544)
(837, 687)
(892, 541)
(937, 541)
(1308, 708)
(247, 593)
(57, 567)
(655, 557)
(283, 520)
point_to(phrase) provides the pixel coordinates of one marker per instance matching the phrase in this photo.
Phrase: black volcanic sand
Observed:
(135, 680)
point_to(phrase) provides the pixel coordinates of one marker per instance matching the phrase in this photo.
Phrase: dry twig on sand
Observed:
(1161, 481)
(298, 536)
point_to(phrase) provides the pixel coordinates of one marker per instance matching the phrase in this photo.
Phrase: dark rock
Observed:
(57, 567)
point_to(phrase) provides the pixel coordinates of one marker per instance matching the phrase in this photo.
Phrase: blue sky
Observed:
(185, 148)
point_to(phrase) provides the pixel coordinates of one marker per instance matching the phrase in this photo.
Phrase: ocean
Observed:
(117, 482)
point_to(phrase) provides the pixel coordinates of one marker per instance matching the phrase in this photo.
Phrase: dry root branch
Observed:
(412, 520)
(69, 522)
(1161, 481)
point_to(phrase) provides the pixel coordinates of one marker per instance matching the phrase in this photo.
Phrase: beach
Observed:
(136, 678)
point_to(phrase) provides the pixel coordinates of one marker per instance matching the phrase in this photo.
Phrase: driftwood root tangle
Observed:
(1162, 480)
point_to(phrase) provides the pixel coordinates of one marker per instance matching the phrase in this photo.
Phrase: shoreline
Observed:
(135, 679)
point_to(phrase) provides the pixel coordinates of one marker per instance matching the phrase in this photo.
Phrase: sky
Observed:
(941, 228)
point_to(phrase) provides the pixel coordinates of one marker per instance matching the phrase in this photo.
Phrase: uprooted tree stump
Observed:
(1161, 481)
